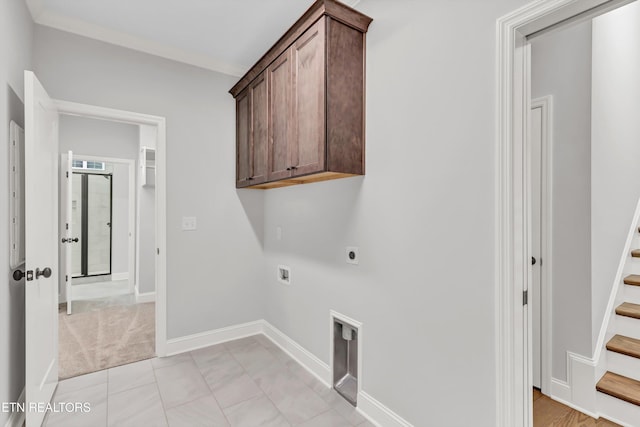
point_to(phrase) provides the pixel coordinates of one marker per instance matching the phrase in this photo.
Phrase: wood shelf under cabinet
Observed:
(300, 109)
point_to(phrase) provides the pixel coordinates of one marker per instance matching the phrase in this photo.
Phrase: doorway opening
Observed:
(113, 292)
(514, 196)
(92, 202)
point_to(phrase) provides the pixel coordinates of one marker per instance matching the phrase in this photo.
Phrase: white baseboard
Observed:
(308, 360)
(579, 391)
(377, 413)
(16, 419)
(217, 336)
(560, 390)
(145, 297)
(119, 276)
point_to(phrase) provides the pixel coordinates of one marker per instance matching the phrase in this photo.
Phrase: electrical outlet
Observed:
(188, 223)
(352, 255)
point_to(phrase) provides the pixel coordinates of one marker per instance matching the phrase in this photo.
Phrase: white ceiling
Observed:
(222, 35)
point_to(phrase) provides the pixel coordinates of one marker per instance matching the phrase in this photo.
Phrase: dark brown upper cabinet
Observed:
(300, 109)
(252, 124)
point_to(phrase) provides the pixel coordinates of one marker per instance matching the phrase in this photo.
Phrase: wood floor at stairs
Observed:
(629, 310)
(623, 388)
(632, 279)
(624, 345)
(549, 413)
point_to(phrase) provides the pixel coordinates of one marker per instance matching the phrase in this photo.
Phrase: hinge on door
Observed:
(66, 226)
(67, 174)
(525, 297)
(158, 251)
(66, 278)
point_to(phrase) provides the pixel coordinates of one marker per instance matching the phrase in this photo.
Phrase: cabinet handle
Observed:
(289, 168)
(250, 178)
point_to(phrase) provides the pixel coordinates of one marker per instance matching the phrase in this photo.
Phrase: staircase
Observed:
(618, 389)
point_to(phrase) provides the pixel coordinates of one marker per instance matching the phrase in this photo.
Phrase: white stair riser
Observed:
(627, 326)
(618, 411)
(631, 294)
(621, 364)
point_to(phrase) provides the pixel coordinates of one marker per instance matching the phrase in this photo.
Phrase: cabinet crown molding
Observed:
(335, 9)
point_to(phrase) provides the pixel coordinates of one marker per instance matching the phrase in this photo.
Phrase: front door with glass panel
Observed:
(91, 215)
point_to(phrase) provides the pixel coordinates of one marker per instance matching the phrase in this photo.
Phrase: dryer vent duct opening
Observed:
(345, 360)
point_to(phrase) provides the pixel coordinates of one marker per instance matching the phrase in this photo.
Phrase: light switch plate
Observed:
(352, 255)
(188, 223)
(284, 274)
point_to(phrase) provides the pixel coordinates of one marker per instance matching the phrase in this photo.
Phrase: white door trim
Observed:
(546, 230)
(513, 100)
(102, 113)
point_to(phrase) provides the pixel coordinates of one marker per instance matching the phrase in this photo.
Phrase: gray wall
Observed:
(423, 218)
(91, 137)
(615, 147)
(16, 37)
(211, 272)
(561, 67)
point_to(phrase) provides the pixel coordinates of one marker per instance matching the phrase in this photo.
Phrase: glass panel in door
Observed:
(99, 225)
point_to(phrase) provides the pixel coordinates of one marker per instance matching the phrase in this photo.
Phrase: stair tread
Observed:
(635, 253)
(632, 279)
(624, 345)
(623, 388)
(629, 309)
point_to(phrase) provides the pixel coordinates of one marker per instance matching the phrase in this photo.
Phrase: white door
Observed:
(536, 240)
(41, 249)
(68, 239)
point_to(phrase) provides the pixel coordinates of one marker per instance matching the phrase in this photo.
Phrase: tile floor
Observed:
(244, 383)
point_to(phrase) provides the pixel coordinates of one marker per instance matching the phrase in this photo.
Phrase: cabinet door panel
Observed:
(243, 139)
(279, 74)
(308, 150)
(260, 129)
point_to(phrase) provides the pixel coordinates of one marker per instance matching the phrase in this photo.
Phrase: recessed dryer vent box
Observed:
(345, 360)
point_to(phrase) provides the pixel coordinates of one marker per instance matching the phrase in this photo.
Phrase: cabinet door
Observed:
(243, 139)
(279, 75)
(259, 129)
(308, 149)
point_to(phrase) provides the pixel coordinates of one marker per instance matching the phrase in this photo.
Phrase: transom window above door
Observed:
(88, 165)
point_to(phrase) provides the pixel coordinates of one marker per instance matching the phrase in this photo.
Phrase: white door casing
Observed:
(159, 123)
(513, 387)
(66, 178)
(542, 247)
(535, 135)
(41, 249)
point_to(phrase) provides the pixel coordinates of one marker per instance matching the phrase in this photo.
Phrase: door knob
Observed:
(18, 275)
(533, 261)
(69, 240)
(46, 273)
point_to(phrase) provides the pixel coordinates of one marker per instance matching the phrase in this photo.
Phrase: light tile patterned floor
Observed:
(244, 383)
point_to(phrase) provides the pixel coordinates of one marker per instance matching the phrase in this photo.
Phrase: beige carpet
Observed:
(104, 338)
